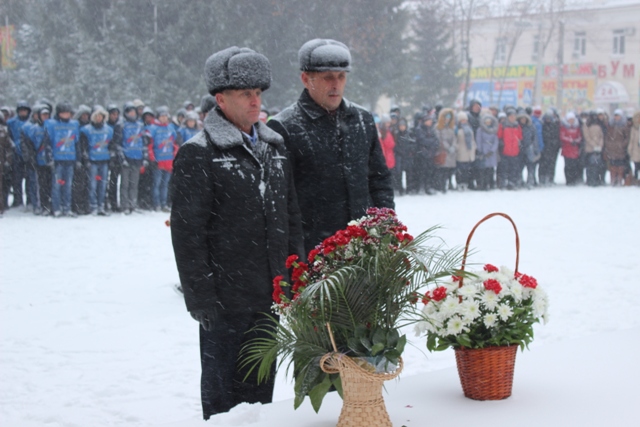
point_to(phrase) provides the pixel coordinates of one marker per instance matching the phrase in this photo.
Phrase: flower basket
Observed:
(487, 373)
(363, 404)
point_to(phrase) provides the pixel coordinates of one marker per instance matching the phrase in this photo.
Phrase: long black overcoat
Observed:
(234, 218)
(333, 154)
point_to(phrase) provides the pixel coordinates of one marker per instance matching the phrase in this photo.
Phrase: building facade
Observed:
(591, 51)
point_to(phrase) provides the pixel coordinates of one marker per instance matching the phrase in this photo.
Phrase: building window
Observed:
(618, 42)
(501, 49)
(536, 48)
(580, 44)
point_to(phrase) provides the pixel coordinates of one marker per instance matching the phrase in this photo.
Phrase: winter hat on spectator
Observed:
(570, 115)
(64, 107)
(99, 111)
(191, 115)
(324, 55)
(237, 68)
(163, 111)
(537, 111)
(138, 103)
(618, 112)
(502, 115)
(462, 116)
(23, 105)
(112, 107)
(208, 103)
(188, 103)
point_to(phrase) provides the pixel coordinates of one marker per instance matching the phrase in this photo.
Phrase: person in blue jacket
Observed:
(132, 154)
(34, 155)
(61, 138)
(163, 142)
(15, 125)
(189, 127)
(95, 139)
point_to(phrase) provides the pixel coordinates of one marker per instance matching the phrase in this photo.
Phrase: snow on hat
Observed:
(138, 103)
(162, 111)
(99, 111)
(191, 115)
(462, 116)
(618, 112)
(324, 55)
(237, 68)
(570, 115)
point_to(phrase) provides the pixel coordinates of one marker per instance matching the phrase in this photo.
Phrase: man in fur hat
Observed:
(338, 167)
(234, 221)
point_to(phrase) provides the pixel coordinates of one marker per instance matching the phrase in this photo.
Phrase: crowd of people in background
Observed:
(513, 148)
(77, 161)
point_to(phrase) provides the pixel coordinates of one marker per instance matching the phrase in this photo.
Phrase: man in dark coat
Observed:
(234, 221)
(338, 167)
(549, 156)
(115, 166)
(475, 107)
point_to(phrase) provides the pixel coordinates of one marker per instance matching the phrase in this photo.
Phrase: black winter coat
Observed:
(338, 167)
(551, 134)
(234, 218)
(427, 141)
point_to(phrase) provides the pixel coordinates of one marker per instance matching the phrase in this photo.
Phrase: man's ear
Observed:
(220, 98)
(306, 79)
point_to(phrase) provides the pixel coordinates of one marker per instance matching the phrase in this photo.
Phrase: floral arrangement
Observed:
(493, 307)
(362, 282)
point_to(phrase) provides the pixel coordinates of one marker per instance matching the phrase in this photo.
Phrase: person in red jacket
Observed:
(387, 142)
(571, 140)
(510, 136)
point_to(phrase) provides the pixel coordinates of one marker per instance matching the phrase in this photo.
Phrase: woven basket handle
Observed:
(466, 247)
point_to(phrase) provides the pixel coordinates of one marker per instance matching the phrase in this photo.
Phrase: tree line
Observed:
(102, 51)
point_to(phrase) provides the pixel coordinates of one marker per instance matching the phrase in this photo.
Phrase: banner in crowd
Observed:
(8, 45)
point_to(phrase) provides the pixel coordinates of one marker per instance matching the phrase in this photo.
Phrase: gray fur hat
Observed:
(237, 68)
(324, 55)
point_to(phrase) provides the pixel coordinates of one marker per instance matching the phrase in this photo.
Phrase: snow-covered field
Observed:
(93, 334)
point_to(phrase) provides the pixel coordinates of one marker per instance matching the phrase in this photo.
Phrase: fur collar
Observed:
(223, 134)
(493, 127)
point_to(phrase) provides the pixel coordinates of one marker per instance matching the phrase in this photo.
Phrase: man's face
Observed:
(131, 114)
(511, 118)
(140, 109)
(164, 119)
(65, 115)
(326, 87)
(113, 115)
(476, 108)
(23, 113)
(241, 107)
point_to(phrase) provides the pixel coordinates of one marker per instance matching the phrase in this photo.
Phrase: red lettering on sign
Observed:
(614, 67)
(602, 71)
(629, 70)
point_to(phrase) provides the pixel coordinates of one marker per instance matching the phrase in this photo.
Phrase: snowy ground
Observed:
(92, 333)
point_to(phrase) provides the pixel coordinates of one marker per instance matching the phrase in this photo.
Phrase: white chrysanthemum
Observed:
(352, 222)
(470, 310)
(429, 309)
(468, 291)
(516, 290)
(451, 286)
(504, 311)
(539, 307)
(455, 326)
(490, 300)
(450, 306)
(490, 320)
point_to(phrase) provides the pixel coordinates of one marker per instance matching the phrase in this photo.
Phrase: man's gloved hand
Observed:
(206, 317)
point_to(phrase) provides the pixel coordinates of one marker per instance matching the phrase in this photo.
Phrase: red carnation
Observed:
(492, 285)
(439, 293)
(312, 254)
(291, 260)
(456, 278)
(489, 268)
(527, 281)
(427, 297)
(277, 290)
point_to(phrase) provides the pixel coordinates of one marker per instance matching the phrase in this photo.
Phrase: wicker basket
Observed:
(363, 404)
(487, 373)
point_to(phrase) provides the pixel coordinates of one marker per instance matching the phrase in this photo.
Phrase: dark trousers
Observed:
(442, 177)
(80, 191)
(44, 187)
(636, 166)
(18, 176)
(548, 160)
(222, 384)
(145, 188)
(510, 172)
(485, 178)
(594, 169)
(572, 171)
(463, 172)
(112, 190)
